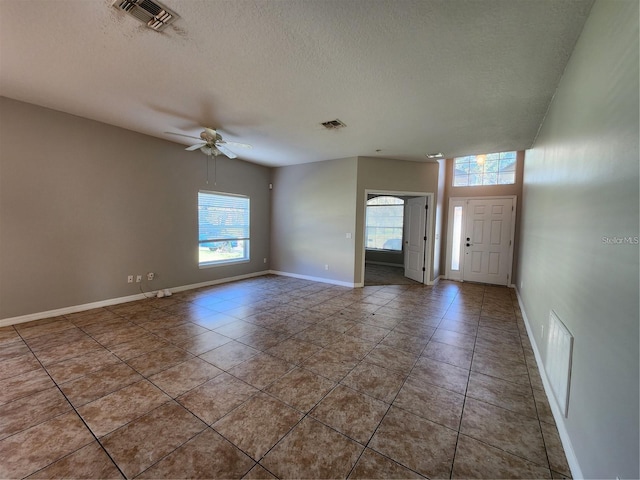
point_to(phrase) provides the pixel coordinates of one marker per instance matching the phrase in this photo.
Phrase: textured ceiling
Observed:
(407, 77)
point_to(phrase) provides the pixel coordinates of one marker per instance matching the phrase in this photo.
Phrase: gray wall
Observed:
(382, 174)
(581, 185)
(84, 204)
(313, 210)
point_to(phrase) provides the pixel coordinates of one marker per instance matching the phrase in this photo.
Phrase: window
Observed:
(385, 218)
(223, 228)
(489, 169)
(457, 238)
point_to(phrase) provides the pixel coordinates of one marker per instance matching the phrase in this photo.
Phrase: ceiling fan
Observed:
(212, 144)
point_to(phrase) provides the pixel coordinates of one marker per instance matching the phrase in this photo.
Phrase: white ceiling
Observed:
(407, 77)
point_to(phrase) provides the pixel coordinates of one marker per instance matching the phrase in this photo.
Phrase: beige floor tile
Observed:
(372, 465)
(433, 403)
(229, 355)
(122, 334)
(23, 385)
(442, 352)
(441, 374)
(89, 462)
(9, 335)
(406, 343)
(510, 370)
(555, 452)
(512, 396)
(258, 424)
(60, 353)
(258, 472)
(207, 455)
(181, 332)
(28, 411)
(261, 370)
(183, 377)
(392, 359)
(423, 446)
(141, 443)
(217, 397)
(375, 381)
(301, 389)
(122, 406)
(13, 350)
(475, 459)
(82, 365)
(351, 413)
(332, 365)
(30, 331)
(455, 339)
(504, 429)
(159, 360)
(542, 406)
(99, 383)
(33, 449)
(18, 365)
(139, 346)
(312, 450)
(411, 346)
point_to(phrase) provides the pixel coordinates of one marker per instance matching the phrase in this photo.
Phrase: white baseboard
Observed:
(115, 301)
(314, 279)
(572, 460)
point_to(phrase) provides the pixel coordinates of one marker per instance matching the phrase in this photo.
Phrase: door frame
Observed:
(454, 201)
(429, 225)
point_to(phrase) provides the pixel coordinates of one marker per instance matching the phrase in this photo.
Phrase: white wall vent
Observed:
(558, 361)
(155, 15)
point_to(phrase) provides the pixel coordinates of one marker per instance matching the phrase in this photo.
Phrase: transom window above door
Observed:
(384, 223)
(486, 169)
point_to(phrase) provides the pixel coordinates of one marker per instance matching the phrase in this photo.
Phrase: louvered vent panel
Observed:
(155, 15)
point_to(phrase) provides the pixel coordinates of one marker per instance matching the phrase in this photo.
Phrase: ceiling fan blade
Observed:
(195, 147)
(182, 135)
(226, 151)
(237, 145)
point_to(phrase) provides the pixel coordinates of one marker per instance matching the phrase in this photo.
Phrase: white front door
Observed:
(415, 239)
(488, 240)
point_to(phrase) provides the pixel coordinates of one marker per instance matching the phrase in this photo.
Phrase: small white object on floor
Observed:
(167, 292)
(160, 294)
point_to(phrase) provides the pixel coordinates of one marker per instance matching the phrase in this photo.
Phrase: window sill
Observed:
(222, 264)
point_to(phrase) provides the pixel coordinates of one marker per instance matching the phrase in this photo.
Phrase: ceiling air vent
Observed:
(153, 14)
(333, 124)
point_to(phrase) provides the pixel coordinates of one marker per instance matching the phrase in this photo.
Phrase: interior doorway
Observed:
(403, 258)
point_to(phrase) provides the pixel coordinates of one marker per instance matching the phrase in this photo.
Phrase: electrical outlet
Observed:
(326, 267)
(150, 276)
(138, 278)
(130, 279)
(265, 260)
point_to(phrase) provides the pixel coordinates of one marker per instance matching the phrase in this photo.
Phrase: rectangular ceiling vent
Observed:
(155, 15)
(333, 124)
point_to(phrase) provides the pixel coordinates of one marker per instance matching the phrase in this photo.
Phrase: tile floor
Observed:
(279, 377)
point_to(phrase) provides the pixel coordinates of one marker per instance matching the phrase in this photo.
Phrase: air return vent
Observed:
(333, 124)
(155, 15)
